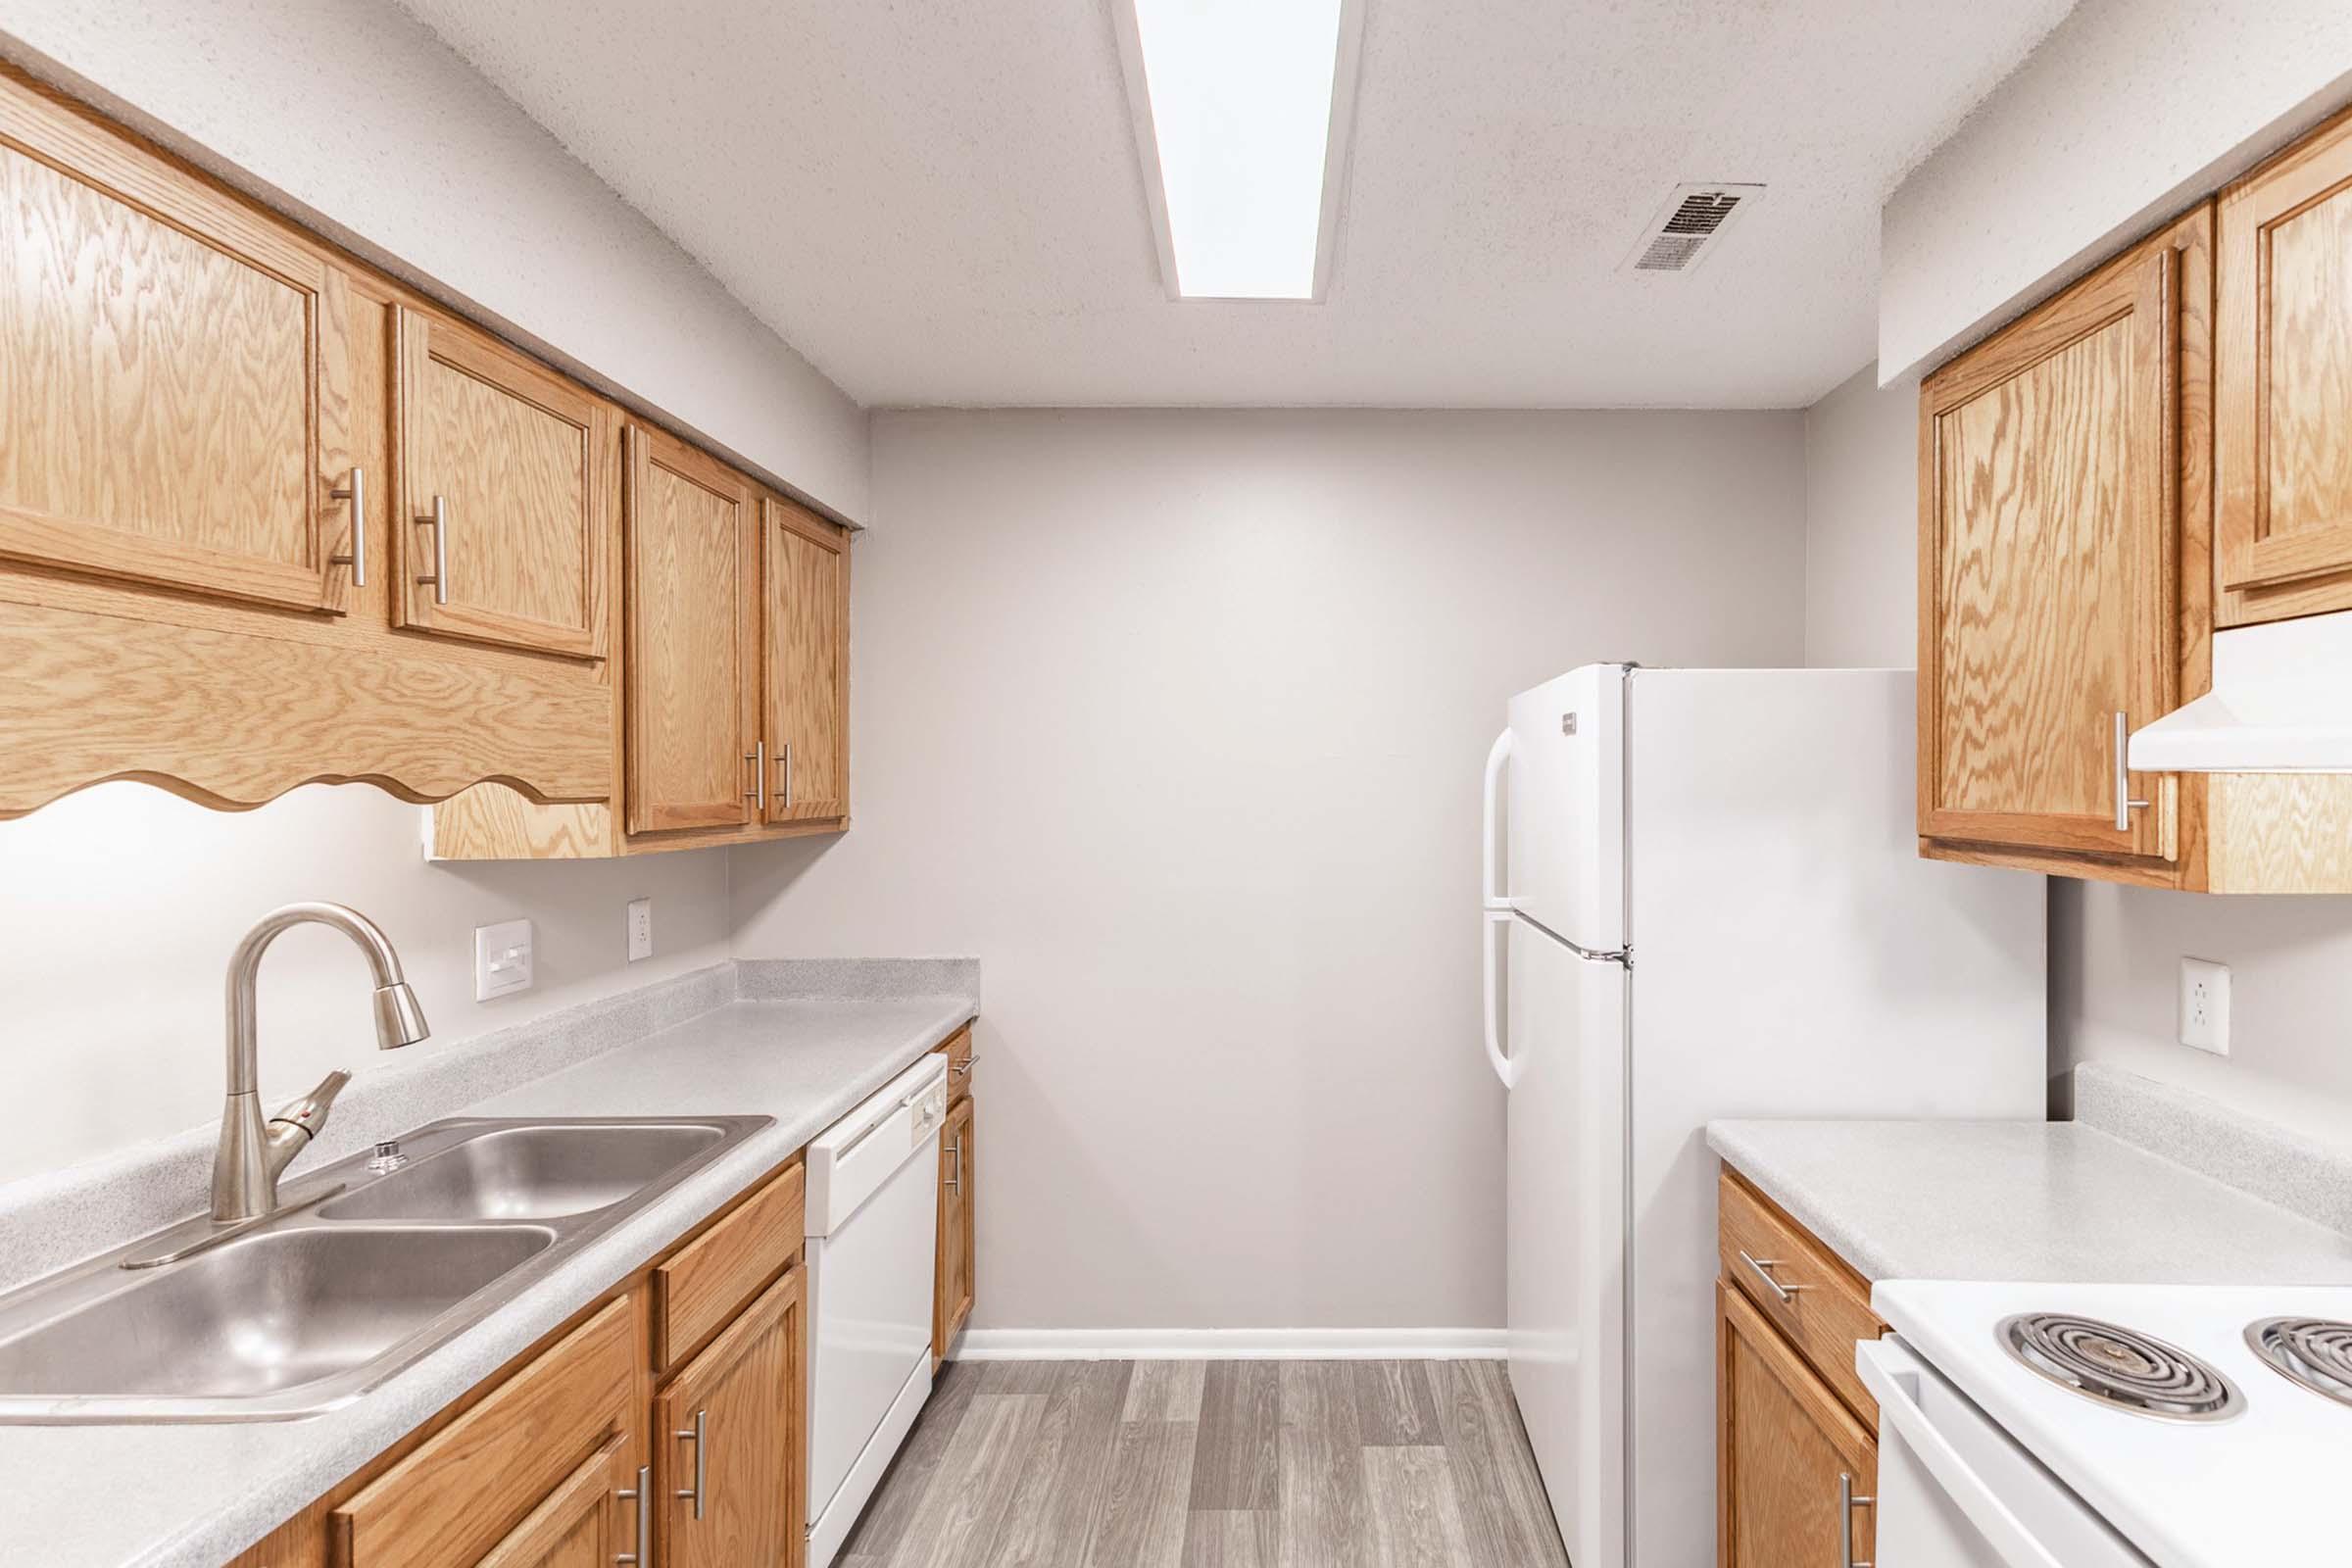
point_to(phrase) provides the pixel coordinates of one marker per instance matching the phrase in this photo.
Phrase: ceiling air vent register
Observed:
(1687, 229)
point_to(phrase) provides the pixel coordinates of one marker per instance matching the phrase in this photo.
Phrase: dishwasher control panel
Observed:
(854, 1157)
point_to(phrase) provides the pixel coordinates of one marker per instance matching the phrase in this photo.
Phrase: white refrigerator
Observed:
(1704, 898)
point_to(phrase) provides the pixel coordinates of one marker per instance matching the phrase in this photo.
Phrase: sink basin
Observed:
(529, 1173)
(266, 1312)
(310, 1309)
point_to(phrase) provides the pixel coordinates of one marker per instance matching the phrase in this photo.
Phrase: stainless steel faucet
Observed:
(253, 1153)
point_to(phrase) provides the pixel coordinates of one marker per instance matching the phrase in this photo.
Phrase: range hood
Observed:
(2281, 702)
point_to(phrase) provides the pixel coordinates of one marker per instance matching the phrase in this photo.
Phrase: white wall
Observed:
(1862, 525)
(1175, 720)
(2128, 113)
(120, 905)
(351, 116)
(2114, 952)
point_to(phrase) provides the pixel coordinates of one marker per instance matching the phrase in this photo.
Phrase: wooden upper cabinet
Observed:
(1792, 1461)
(806, 673)
(174, 374)
(2052, 473)
(692, 617)
(503, 484)
(731, 1471)
(2282, 384)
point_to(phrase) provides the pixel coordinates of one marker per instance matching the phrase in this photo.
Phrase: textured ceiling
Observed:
(937, 201)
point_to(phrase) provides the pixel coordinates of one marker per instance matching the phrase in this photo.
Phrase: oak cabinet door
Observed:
(502, 482)
(2049, 568)
(2283, 388)
(954, 1272)
(730, 1469)
(1790, 1459)
(807, 664)
(691, 670)
(510, 1471)
(586, 1522)
(173, 375)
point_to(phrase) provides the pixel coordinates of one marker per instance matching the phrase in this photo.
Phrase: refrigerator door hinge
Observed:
(1623, 955)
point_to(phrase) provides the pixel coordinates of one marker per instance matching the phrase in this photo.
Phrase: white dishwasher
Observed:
(873, 1229)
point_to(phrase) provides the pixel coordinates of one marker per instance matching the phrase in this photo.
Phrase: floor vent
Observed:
(1686, 230)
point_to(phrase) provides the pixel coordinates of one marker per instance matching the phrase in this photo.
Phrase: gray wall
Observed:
(121, 903)
(1861, 597)
(1175, 720)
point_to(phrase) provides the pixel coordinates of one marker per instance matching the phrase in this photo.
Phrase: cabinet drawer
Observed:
(1822, 1305)
(456, 1496)
(958, 1050)
(708, 1281)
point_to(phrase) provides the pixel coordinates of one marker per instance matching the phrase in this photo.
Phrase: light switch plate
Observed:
(501, 959)
(2205, 1005)
(641, 929)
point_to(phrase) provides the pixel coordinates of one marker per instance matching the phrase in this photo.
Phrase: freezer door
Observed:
(1565, 1158)
(1563, 788)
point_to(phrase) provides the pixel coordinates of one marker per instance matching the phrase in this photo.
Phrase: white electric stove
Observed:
(2111, 1426)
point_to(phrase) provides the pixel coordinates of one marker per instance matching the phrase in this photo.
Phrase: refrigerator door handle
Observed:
(1496, 1057)
(1492, 897)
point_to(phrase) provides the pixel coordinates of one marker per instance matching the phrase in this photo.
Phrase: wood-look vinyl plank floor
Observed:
(1217, 1464)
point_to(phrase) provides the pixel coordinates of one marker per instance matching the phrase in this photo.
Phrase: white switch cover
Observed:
(641, 929)
(501, 959)
(2205, 1005)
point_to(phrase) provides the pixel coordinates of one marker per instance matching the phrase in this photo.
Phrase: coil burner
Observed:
(2119, 1367)
(2312, 1351)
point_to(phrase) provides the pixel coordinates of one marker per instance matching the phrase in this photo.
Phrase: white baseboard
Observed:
(1229, 1345)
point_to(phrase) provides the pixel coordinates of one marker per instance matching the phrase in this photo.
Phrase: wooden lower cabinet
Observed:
(952, 1292)
(730, 1466)
(485, 1476)
(548, 1464)
(1796, 1466)
(581, 1524)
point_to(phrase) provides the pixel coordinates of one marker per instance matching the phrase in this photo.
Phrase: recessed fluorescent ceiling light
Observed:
(1237, 99)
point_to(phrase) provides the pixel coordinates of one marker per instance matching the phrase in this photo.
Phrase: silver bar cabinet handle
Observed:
(1764, 1267)
(438, 520)
(758, 758)
(955, 1167)
(2125, 805)
(700, 1449)
(642, 1494)
(355, 492)
(1847, 1502)
(785, 763)
(964, 1067)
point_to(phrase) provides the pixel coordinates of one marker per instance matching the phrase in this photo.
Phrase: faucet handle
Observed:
(308, 1113)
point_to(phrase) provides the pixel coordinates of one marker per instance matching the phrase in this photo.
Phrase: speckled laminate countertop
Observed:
(2022, 1200)
(168, 1495)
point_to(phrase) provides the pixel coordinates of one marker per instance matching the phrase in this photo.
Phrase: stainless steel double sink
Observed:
(312, 1307)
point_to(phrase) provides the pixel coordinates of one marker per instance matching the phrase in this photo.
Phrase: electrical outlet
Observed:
(641, 929)
(2205, 1005)
(501, 959)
